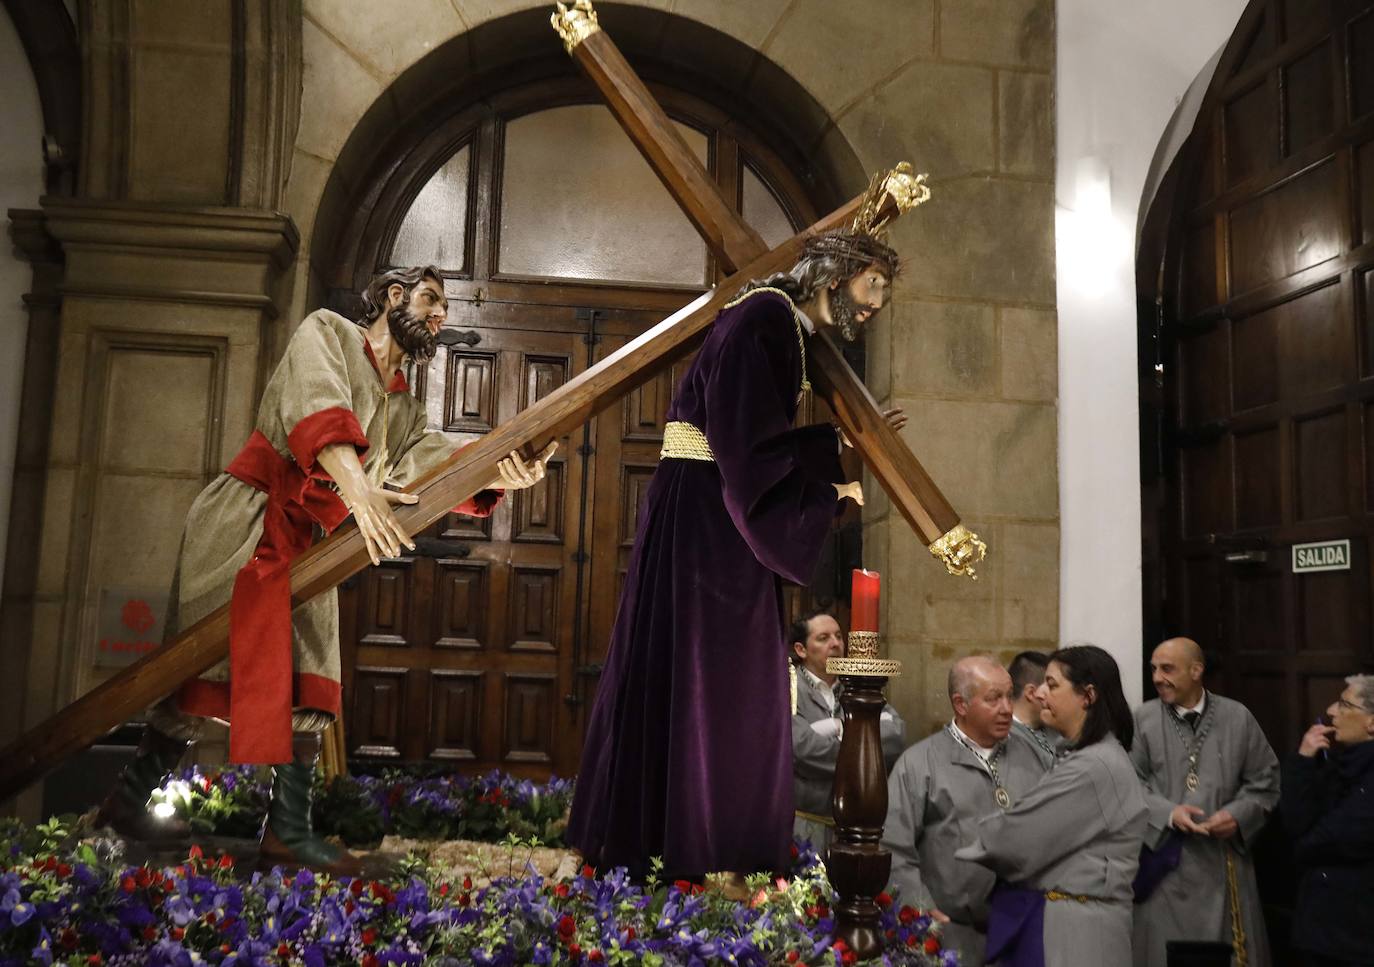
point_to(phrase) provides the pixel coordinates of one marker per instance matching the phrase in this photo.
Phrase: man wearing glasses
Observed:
(1328, 811)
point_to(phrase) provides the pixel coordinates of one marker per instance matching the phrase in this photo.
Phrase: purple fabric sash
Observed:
(1016, 927)
(1156, 864)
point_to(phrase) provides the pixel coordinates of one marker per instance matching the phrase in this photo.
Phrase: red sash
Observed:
(260, 652)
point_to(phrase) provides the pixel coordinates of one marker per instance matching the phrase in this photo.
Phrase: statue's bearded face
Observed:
(855, 301)
(415, 322)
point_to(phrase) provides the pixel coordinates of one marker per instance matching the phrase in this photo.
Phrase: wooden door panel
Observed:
(1320, 462)
(460, 610)
(470, 391)
(538, 511)
(1252, 142)
(376, 720)
(1288, 229)
(530, 701)
(533, 618)
(1360, 36)
(1207, 487)
(1309, 98)
(387, 605)
(1258, 485)
(455, 700)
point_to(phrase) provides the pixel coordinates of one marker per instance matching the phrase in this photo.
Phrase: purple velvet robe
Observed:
(689, 752)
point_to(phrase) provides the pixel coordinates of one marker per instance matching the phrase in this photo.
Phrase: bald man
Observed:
(1211, 780)
(939, 787)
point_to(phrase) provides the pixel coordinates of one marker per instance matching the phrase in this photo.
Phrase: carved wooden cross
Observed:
(198, 648)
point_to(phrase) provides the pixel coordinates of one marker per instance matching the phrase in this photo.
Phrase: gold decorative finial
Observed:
(890, 193)
(959, 550)
(574, 22)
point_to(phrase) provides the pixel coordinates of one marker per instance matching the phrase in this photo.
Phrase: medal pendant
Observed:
(1193, 781)
(1003, 797)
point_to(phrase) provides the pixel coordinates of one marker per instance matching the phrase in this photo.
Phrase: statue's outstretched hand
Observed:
(514, 473)
(369, 503)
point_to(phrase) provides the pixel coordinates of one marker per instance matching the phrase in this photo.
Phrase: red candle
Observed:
(863, 603)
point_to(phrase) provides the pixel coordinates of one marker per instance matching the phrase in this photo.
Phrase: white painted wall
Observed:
(1123, 66)
(21, 184)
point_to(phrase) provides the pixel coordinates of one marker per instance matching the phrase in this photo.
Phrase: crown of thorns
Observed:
(857, 249)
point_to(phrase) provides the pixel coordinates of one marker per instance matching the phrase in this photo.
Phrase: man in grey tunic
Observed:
(1211, 779)
(1027, 671)
(939, 790)
(817, 726)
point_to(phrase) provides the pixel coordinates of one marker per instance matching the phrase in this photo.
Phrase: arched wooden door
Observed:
(558, 245)
(1257, 370)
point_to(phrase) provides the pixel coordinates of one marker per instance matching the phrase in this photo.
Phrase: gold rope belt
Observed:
(683, 441)
(1057, 895)
(816, 818)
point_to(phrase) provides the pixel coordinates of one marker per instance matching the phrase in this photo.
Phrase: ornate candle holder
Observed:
(857, 863)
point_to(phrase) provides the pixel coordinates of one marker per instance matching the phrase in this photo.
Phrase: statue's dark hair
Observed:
(830, 257)
(374, 296)
(1086, 665)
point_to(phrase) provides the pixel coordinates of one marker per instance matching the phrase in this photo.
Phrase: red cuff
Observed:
(321, 429)
(210, 699)
(480, 504)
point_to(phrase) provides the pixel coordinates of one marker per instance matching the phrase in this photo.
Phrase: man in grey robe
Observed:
(817, 726)
(1027, 671)
(938, 791)
(1211, 779)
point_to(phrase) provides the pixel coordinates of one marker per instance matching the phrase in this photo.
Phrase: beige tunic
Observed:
(325, 390)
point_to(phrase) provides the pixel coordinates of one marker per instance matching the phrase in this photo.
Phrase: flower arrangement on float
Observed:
(73, 901)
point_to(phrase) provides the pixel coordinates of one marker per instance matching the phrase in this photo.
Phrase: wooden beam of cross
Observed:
(196, 649)
(734, 243)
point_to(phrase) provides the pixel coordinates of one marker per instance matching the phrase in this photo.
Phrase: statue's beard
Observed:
(844, 313)
(411, 334)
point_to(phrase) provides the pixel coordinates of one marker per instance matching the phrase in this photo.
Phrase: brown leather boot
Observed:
(288, 838)
(125, 807)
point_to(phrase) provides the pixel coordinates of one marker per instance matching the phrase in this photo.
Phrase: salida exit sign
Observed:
(1321, 556)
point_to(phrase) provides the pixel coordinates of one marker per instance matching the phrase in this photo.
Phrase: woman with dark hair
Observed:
(1066, 854)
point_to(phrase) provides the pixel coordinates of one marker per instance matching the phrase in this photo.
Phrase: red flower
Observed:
(567, 926)
(128, 885)
(932, 945)
(683, 886)
(464, 900)
(370, 960)
(95, 960)
(849, 957)
(212, 918)
(629, 933)
(574, 951)
(63, 871)
(561, 890)
(883, 900)
(467, 883)
(283, 950)
(588, 872)
(67, 938)
(143, 876)
(226, 862)
(369, 936)
(792, 955)
(907, 915)
(150, 932)
(443, 889)
(176, 933)
(912, 940)
(356, 888)
(196, 853)
(795, 851)
(594, 956)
